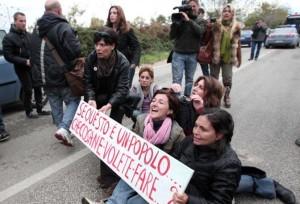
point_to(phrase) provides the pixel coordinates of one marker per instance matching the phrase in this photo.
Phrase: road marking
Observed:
(18, 187)
(248, 63)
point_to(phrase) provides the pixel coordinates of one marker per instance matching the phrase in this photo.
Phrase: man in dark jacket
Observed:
(52, 28)
(186, 31)
(258, 37)
(16, 47)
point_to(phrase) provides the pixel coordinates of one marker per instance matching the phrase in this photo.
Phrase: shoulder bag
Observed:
(74, 77)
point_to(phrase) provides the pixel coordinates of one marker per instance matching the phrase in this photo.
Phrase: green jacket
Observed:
(187, 35)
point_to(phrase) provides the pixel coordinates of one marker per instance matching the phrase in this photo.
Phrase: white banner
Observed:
(154, 174)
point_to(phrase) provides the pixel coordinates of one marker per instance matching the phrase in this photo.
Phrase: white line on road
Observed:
(13, 190)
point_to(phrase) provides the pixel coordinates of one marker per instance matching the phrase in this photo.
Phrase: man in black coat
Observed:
(53, 29)
(16, 47)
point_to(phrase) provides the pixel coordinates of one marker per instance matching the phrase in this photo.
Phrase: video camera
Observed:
(186, 8)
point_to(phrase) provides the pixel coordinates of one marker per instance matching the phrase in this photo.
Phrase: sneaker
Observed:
(85, 200)
(63, 135)
(30, 115)
(4, 135)
(297, 142)
(44, 112)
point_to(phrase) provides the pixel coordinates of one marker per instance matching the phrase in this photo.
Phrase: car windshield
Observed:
(285, 30)
(2, 34)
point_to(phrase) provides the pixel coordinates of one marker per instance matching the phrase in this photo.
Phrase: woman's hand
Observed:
(180, 198)
(92, 103)
(176, 87)
(197, 101)
(105, 108)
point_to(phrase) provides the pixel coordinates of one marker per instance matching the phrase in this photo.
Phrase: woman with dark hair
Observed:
(207, 92)
(209, 153)
(106, 79)
(159, 128)
(128, 43)
(226, 49)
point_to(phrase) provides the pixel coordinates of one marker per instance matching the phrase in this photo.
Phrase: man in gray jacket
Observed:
(258, 37)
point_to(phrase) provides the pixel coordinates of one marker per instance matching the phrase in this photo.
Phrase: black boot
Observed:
(284, 194)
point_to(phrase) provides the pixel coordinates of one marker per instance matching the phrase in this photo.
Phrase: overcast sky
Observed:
(99, 8)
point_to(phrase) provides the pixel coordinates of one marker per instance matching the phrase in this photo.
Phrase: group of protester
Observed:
(193, 128)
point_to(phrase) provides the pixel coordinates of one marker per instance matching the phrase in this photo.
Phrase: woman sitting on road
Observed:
(145, 89)
(160, 129)
(209, 153)
(207, 92)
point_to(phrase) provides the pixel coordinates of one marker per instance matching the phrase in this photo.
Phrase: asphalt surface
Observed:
(35, 168)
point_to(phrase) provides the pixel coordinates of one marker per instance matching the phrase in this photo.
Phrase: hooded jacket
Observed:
(63, 38)
(16, 48)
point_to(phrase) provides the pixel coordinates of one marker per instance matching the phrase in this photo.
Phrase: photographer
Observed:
(258, 37)
(186, 31)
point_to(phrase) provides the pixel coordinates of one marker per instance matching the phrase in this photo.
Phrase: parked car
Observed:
(283, 36)
(246, 37)
(10, 86)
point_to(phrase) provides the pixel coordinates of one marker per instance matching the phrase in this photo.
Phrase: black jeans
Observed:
(116, 113)
(25, 79)
(26, 82)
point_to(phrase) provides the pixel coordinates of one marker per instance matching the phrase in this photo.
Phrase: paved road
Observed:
(35, 168)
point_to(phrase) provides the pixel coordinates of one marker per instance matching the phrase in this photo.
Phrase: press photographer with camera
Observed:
(186, 31)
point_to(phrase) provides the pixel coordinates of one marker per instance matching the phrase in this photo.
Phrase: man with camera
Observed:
(258, 37)
(186, 31)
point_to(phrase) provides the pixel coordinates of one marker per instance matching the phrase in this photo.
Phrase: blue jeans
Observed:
(186, 63)
(58, 96)
(124, 194)
(2, 126)
(254, 44)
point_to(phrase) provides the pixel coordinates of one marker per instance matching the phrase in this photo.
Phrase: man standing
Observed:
(52, 28)
(258, 37)
(186, 32)
(4, 135)
(16, 46)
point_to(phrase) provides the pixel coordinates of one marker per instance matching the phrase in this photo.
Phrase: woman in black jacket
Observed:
(216, 165)
(128, 43)
(106, 78)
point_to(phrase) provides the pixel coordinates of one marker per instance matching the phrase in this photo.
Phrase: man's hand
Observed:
(186, 18)
(105, 108)
(180, 198)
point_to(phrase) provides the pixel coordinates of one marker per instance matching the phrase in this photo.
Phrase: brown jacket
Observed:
(235, 33)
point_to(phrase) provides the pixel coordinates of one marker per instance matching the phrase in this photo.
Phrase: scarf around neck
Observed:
(105, 66)
(163, 133)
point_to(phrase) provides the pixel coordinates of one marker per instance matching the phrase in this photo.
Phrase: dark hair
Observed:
(213, 91)
(221, 121)
(147, 68)
(123, 26)
(107, 34)
(18, 14)
(172, 98)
